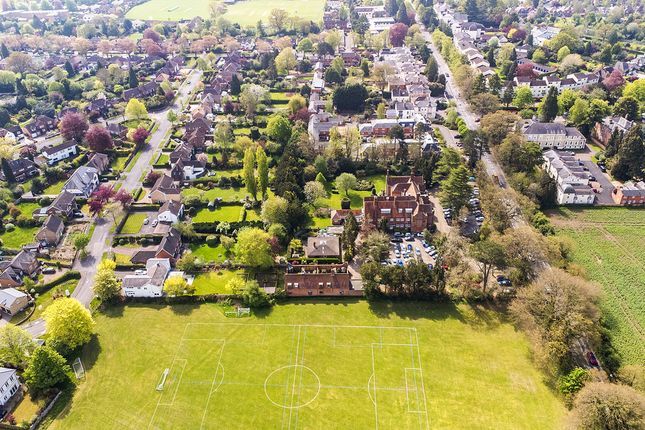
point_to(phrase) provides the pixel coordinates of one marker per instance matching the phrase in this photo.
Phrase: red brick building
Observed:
(319, 280)
(405, 205)
(630, 194)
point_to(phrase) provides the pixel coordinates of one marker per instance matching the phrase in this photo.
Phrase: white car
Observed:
(146, 221)
(139, 272)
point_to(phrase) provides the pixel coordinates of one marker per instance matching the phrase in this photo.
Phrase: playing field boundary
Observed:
(297, 379)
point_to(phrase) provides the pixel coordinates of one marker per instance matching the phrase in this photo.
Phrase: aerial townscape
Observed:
(322, 214)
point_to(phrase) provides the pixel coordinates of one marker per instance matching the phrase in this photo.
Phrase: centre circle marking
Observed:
(298, 368)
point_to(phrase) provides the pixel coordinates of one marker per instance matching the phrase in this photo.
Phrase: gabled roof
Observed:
(52, 223)
(23, 261)
(63, 146)
(63, 201)
(171, 206)
(323, 246)
(165, 184)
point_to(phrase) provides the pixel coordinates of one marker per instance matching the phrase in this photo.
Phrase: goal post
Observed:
(79, 370)
(162, 380)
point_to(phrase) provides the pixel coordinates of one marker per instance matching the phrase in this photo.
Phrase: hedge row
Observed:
(72, 274)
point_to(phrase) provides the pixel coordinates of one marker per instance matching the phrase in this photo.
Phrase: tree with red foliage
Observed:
(99, 139)
(398, 32)
(100, 198)
(123, 197)
(151, 177)
(73, 126)
(525, 69)
(302, 114)
(139, 136)
(614, 80)
(149, 33)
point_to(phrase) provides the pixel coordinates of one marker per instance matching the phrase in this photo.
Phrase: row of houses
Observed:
(572, 180)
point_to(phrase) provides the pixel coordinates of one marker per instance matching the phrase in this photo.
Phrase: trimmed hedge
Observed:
(67, 276)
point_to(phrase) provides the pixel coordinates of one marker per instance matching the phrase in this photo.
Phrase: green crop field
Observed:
(310, 365)
(610, 244)
(244, 12)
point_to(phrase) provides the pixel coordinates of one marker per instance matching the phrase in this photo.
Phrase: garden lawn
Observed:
(321, 222)
(333, 201)
(19, 237)
(253, 215)
(214, 282)
(221, 214)
(208, 254)
(245, 13)
(119, 163)
(610, 244)
(134, 223)
(28, 209)
(226, 194)
(343, 363)
(54, 189)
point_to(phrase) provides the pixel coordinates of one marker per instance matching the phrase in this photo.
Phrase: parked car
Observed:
(592, 178)
(48, 271)
(139, 272)
(146, 221)
(78, 214)
(154, 223)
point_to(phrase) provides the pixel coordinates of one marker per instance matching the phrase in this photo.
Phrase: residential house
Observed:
(338, 216)
(83, 182)
(405, 205)
(54, 154)
(170, 248)
(602, 131)
(98, 108)
(9, 384)
(40, 126)
(630, 194)
(320, 125)
(12, 271)
(170, 212)
(572, 181)
(51, 231)
(12, 301)
(542, 34)
(99, 161)
(319, 280)
(186, 170)
(64, 205)
(323, 247)
(554, 136)
(151, 283)
(22, 169)
(164, 190)
(143, 91)
(117, 130)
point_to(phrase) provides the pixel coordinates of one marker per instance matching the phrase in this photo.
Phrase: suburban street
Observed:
(492, 168)
(101, 239)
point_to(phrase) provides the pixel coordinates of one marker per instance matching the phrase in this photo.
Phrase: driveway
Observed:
(602, 182)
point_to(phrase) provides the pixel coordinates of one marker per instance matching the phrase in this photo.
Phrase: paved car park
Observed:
(404, 248)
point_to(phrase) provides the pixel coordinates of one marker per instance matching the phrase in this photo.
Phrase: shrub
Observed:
(9, 227)
(211, 240)
(45, 201)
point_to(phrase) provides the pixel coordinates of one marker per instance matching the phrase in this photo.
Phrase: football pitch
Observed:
(321, 364)
(291, 374)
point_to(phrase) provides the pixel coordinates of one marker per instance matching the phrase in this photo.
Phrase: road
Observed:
(101, 240)
(471, 119)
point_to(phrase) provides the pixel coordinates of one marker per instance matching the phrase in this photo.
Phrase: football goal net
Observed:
(162, 381)
(239, 312)
(79, 370)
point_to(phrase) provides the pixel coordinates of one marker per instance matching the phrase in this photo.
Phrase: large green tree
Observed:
(455, 190)
(249, 173)
(548, 108)
(106, 285)
(68, 323)
(253, 249)
(263, 171)
(16, 345)
(47, 369)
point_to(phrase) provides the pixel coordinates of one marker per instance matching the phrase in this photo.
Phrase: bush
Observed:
(45, 201)
(211, 240)
(9, 227)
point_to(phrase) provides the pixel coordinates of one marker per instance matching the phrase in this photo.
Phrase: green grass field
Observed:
(610, 244)
(206, 253)
(221, 214)
(214, 282)
(244, 12)
(18, 237)
(328, 365)
(54, 189)
(134, 223)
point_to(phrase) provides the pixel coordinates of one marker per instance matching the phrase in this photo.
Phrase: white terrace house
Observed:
(9, 384)
(572, 181)
(83, 182)
(554, 136)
